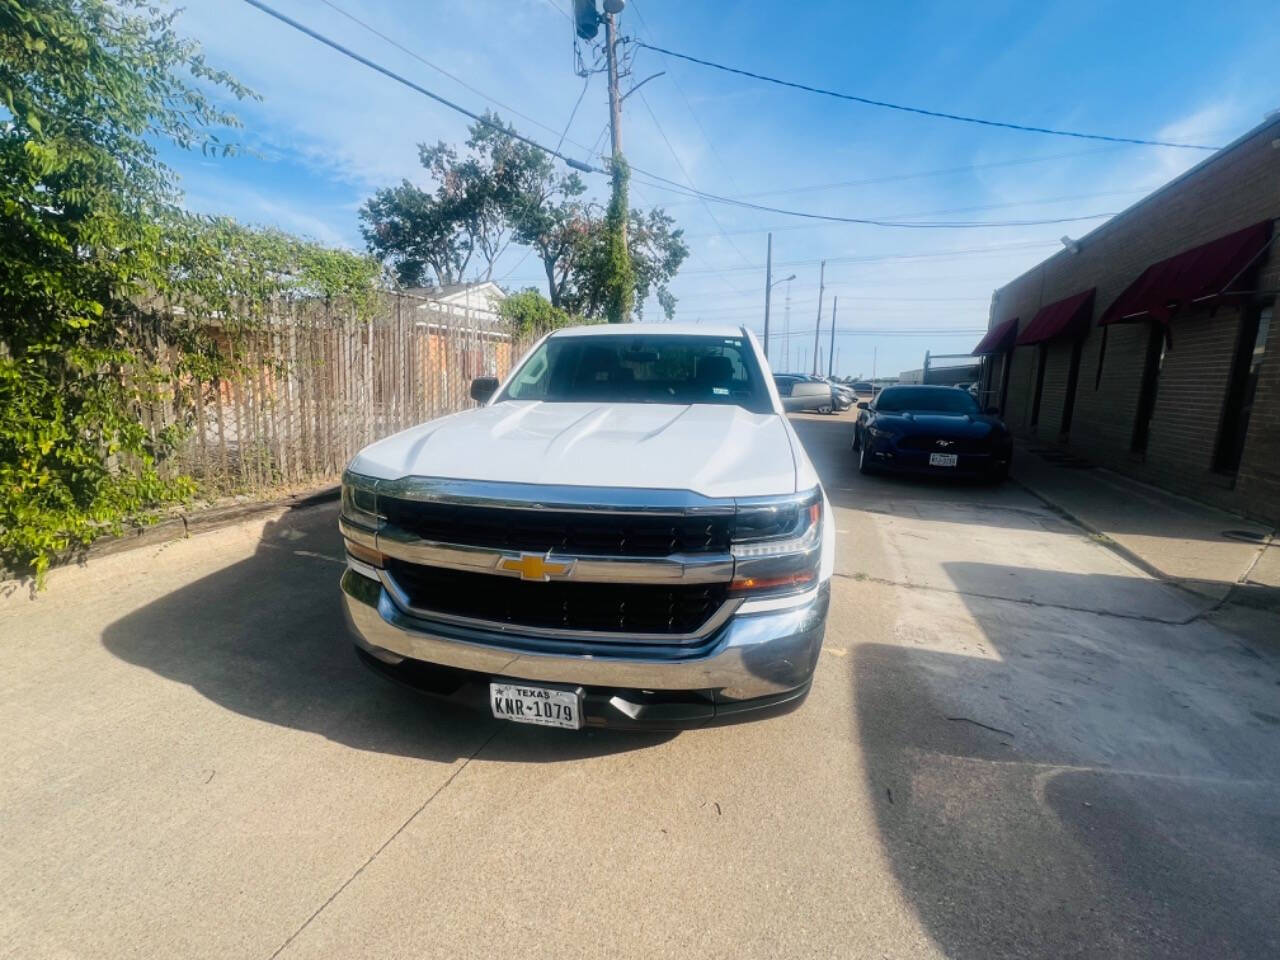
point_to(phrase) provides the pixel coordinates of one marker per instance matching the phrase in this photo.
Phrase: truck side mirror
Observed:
(482, 388)
(864, 405)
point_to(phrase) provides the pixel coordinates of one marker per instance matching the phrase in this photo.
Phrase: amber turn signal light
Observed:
(365, 554)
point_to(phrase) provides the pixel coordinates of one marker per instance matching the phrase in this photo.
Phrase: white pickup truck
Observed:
(627, 532)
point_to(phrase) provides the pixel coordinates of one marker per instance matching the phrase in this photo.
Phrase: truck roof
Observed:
(651, 329)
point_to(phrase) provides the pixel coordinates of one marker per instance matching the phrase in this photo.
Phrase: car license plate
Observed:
(942, 459)
(540, 705)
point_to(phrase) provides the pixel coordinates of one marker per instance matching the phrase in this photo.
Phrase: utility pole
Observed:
(615, 100)
(786, 328)
(768, 289)
(831, 354)
(817, 330)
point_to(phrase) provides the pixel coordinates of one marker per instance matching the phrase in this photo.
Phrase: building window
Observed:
(1157, 344)
(1040, 365)
(1250, 348)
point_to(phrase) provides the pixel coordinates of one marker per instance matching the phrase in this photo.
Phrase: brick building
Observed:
(1144, 345)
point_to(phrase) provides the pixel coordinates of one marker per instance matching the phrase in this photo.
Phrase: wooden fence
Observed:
(317, 386)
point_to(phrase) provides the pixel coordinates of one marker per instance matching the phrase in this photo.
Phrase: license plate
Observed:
(539, 705)
(942, 459)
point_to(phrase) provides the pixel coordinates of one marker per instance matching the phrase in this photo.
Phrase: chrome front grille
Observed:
(627, 565)
(611, 608)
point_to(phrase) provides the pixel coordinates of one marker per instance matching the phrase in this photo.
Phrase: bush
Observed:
(95, 256)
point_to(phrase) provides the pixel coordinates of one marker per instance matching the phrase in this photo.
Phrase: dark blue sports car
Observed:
(926, 429)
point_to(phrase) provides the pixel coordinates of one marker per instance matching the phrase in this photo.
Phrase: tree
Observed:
(542, 204)
(657, 250)
(505, 190)
(529, 312)
(90, 87)
(93, 249)
(433, 236)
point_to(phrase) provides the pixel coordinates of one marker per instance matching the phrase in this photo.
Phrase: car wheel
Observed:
(864, 460)
(857, 440)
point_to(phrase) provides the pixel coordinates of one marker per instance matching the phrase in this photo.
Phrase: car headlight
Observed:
(878, 433)
(360, 521)
(777, 545)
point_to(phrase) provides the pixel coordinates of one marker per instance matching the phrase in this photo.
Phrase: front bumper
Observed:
(887, 455)
(755, 662)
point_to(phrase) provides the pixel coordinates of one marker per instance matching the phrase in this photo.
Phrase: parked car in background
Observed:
(627, 532)
(930, 429)
(801, 393)
(863, 389)
(844, 395)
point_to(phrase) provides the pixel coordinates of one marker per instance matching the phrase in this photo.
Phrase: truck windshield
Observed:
(648, 368)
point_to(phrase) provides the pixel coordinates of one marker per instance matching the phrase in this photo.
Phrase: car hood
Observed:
(717, 451)
(938, 424)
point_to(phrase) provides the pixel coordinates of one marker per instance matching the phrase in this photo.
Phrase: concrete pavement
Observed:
(1205, 550)
(1017, 745)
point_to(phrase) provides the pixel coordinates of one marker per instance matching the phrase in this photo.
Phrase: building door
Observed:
(1250, 348)
(1073, 376)
(1156, 345)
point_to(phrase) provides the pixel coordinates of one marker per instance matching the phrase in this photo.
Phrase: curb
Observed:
(187, 524)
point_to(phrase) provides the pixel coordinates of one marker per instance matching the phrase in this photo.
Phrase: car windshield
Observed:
(926, 399)
(646, 368)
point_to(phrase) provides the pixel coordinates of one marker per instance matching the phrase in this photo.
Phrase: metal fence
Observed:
(316, 385)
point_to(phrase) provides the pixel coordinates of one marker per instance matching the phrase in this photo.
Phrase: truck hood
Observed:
(717, 451)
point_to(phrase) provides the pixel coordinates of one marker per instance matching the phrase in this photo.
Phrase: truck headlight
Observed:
(777, 545)
(360, 521)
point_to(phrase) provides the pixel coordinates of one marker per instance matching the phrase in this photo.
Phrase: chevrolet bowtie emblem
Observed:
(535, 566)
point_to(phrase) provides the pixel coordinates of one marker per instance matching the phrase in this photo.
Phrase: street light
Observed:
(769, 284)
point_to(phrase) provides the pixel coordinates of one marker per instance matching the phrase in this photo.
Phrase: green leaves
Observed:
(91, 247)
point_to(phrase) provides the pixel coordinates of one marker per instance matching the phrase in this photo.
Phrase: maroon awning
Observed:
(998, 339)
(1196, 274)
(1062, 318)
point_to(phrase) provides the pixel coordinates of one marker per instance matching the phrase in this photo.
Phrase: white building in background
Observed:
(473, 305)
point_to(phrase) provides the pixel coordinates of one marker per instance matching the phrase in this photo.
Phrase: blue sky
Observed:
(328, 132)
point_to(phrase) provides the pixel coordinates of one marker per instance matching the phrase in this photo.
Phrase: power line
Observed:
(574, 112)
(904, 257)
(920, 110)
(676, 157)
(923, 174)
(675, 187)
(1042, 201)
(887, 332)
(345, 51)
(588, 168)
(442, 71)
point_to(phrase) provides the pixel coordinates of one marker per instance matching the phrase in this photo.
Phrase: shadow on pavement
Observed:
(1096, 787)
(266, 638)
